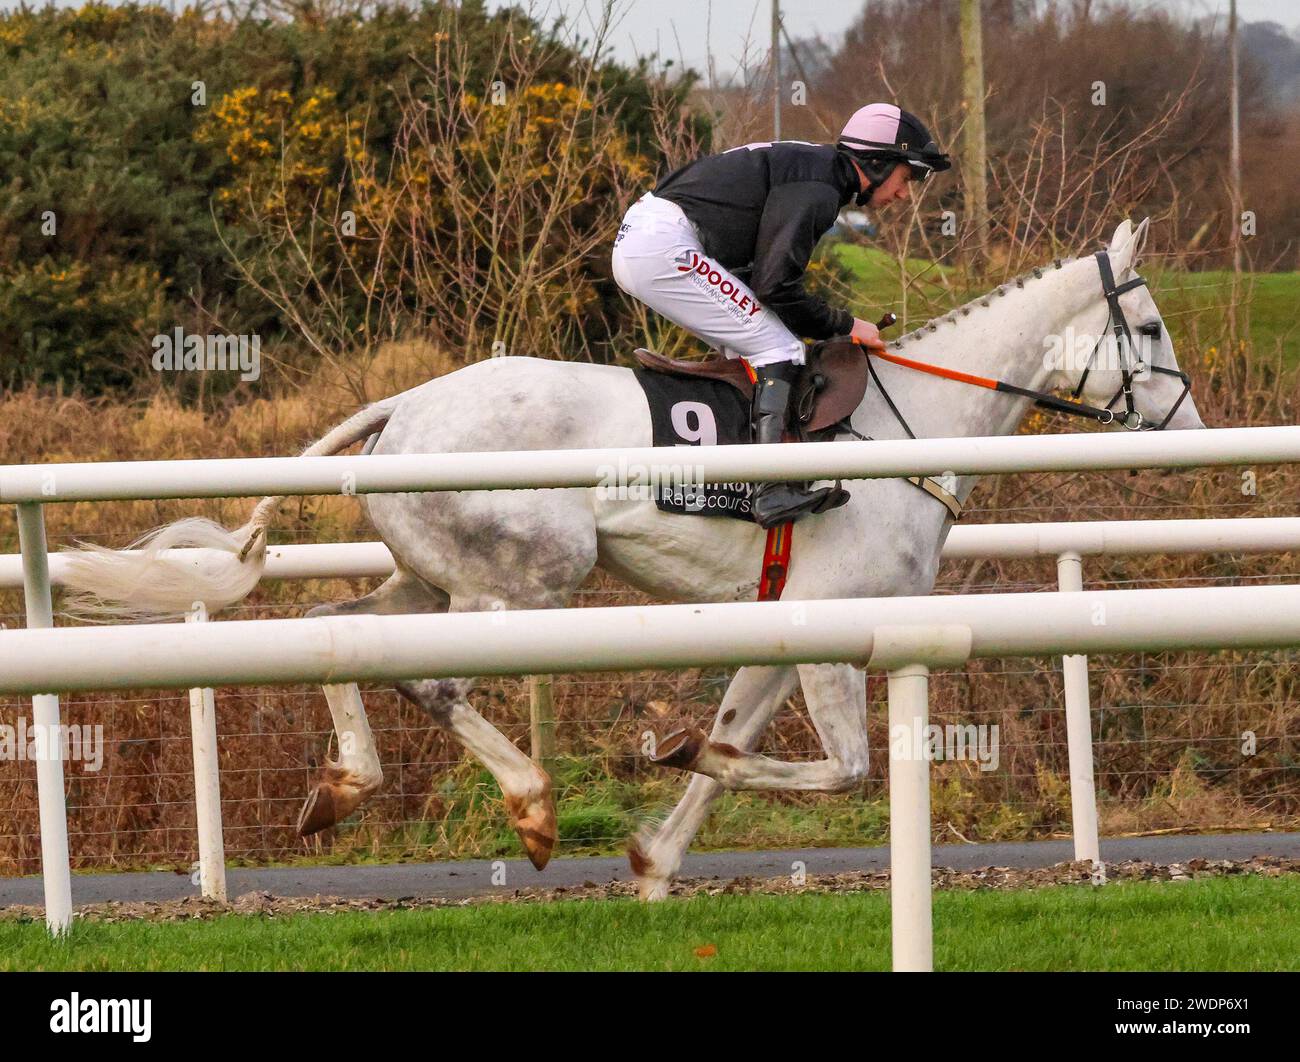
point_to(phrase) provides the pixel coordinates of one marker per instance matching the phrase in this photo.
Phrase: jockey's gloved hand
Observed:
(867, 334)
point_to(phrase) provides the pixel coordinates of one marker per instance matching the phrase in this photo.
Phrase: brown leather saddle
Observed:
(829, 388)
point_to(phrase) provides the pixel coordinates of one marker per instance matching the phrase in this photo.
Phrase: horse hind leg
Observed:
(525, 787)
(522, 550)
(345, 783)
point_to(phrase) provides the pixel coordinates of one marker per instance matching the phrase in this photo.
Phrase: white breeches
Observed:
(659, 260)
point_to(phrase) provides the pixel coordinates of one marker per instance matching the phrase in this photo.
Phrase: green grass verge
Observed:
(1244, 923)
(1268, 301)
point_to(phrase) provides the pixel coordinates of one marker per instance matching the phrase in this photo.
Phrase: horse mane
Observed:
(979, 302)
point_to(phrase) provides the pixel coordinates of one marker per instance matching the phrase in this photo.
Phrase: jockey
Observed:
(721, 245)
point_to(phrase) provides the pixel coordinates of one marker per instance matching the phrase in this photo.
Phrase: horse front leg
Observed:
(752, 699)
(836, 695)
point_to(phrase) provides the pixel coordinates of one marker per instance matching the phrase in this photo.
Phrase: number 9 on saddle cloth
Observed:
(707, 403)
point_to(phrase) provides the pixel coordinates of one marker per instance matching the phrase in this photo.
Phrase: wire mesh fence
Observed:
(1182, 741)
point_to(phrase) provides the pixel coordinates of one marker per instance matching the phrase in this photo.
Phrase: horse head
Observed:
(1132, 368)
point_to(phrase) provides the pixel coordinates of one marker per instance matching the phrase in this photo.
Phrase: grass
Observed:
(1270, 300)
(598, 813)
(1243, 923)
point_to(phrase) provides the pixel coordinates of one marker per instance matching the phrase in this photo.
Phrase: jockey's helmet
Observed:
(880, 135)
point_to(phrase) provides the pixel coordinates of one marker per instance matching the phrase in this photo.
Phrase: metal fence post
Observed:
(55, 871)
(911, 923)
(1078, 726)
(207, 782)
(907, 652)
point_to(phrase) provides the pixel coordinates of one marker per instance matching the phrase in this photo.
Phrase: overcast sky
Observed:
(688, 30)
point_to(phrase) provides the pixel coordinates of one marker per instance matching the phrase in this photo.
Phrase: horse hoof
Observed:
(336, 797)
(534, 821)
(682, 748)
(652, 890)
(650, 887)
(318, 811)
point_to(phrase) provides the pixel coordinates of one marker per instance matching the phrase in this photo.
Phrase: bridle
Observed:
(1129, 367)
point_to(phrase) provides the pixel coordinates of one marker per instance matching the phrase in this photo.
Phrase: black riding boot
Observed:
(779, 503)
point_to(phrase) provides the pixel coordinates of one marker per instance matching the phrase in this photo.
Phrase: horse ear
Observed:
(1140, 240)
(1126, 255)
(1121, 237)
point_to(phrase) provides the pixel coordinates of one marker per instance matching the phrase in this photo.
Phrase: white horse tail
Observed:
(165, 572)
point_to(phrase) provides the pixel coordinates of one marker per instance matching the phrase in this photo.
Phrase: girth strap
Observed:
(776, 562)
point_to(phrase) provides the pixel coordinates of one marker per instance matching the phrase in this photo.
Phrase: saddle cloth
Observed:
(695, 411)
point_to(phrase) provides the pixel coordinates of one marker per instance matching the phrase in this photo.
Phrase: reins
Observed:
(1117, 323)
(1041, 398)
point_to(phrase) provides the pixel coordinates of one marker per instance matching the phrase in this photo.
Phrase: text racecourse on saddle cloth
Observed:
(720, 247)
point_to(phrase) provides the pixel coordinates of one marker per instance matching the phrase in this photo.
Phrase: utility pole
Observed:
(776, 69)
(1234, 102)
(974, 147)
(1234, 175)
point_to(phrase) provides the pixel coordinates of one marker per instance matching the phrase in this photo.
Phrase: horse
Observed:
(472, 551)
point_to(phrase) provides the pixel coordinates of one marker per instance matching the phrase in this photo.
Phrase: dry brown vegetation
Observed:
(1161, 69)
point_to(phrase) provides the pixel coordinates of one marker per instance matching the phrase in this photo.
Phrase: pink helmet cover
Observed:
(872, 126)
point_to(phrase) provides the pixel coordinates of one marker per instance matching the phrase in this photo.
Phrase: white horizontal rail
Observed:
(334, 649)
(1122, 538)
(356, 560)
(528, 469)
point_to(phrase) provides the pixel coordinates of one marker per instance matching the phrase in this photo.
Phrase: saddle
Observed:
(829, 387)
